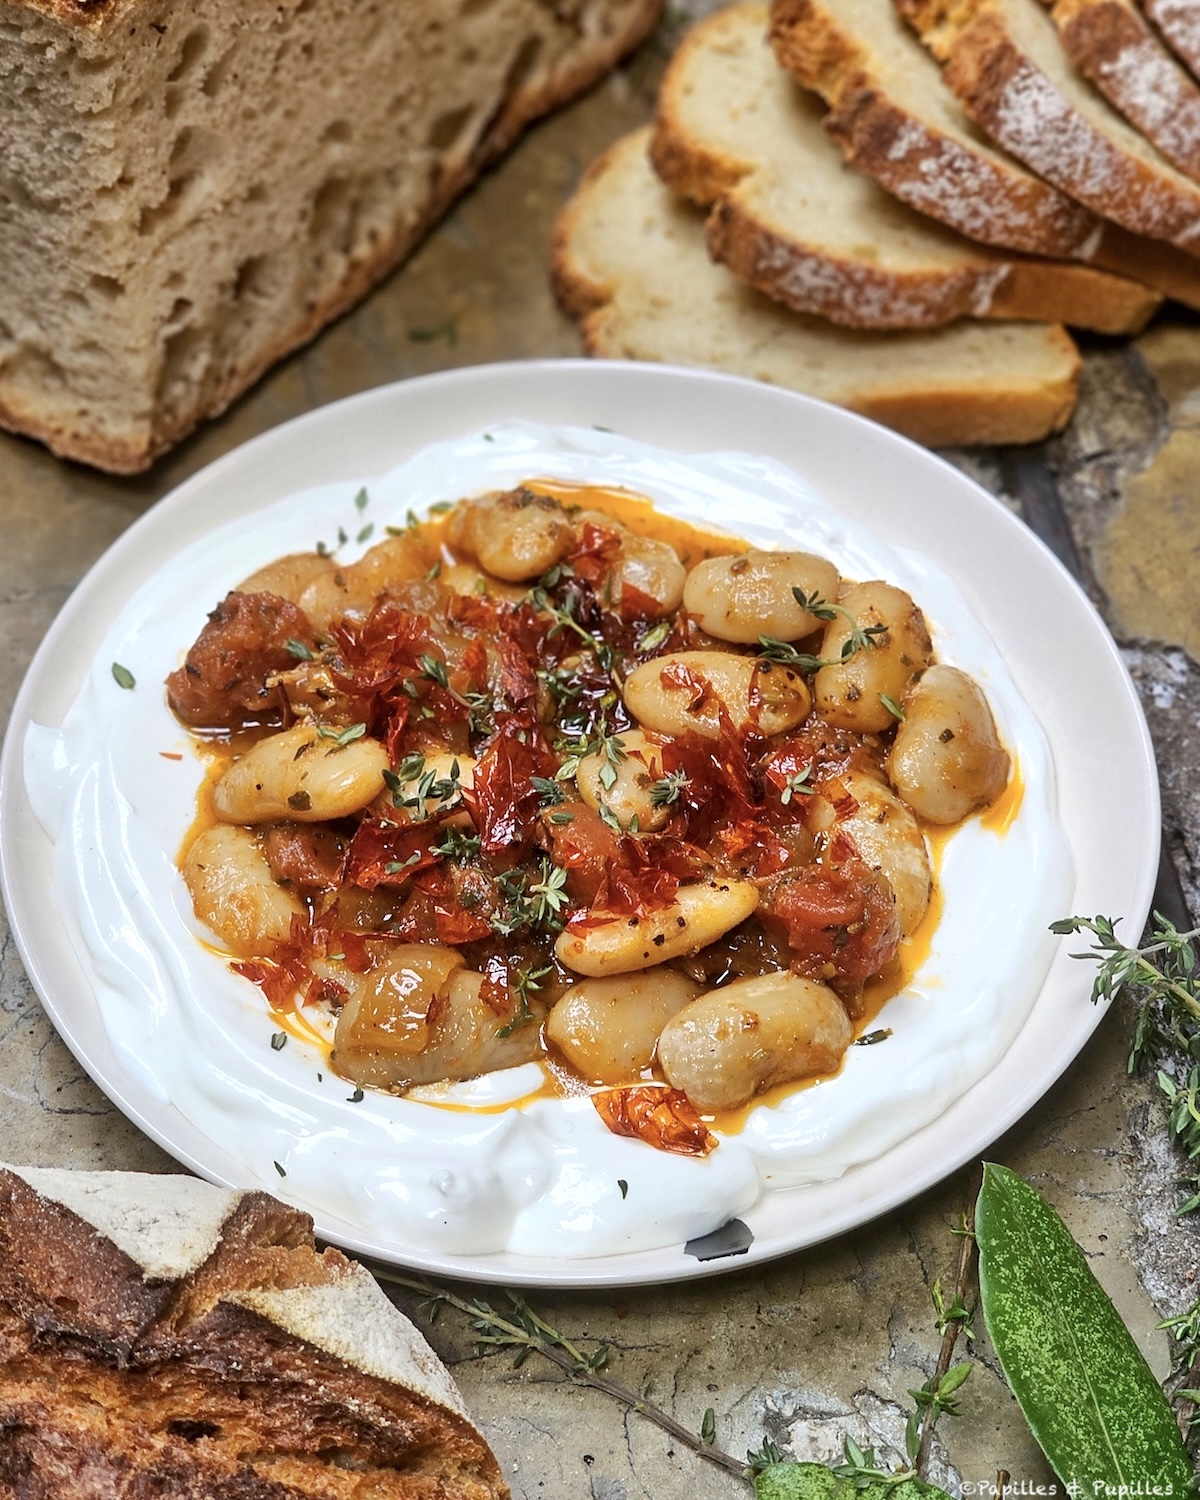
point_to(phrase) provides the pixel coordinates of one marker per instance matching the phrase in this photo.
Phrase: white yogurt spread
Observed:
(539, 1177)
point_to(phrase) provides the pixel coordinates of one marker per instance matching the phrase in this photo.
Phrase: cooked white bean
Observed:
(517, 535)
(699, 915)
(740, 597)
(728, 1045)
(289, 577)
(386, 1021)
(947, 759)
(685, 690)
(890, 840)
(653, 569)
(850, 693)
(463, 578)
(629, 782)
(302, 775)
(438, 1028)
(607, 1029)
(234, 893)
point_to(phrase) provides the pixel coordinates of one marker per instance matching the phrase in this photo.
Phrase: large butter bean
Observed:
(849, 693)
(741, 597)
(947, 759)
(289, 577)
(461, 1036)
(386, 1021)
(728, 1045)
(516, 536)
(631, 779)
(699, 915)
(890, 840)
(302, 775)
(234, 893)
(607, 1029)
(685, 690)
(653, 569)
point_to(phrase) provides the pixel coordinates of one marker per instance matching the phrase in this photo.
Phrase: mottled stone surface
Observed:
(821, 1343)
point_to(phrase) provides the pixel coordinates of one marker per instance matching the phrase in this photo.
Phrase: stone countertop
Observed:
(831, 1340)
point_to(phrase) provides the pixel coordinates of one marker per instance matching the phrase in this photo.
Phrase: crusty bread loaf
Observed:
(1110, 42)
(630, 262)
(895, 117)
(1005, 62)
(735, 132)
(1179, 22)
(159, 1336)
(193, 189)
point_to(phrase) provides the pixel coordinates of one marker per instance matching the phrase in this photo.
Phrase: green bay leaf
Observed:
(1089, 1396)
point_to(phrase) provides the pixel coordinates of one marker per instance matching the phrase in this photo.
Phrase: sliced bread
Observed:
(895, 117)
(1111, 43)
(160, 1336)
(1005, 62)
(630, 263)
(733, 130)
(1179, 22)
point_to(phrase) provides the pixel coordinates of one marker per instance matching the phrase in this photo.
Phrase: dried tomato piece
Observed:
(839, 915)
(389, 853)
(305, 855)
(664, 1118)
(224, 682)
(502, 800)
(585, 848)
(597, 552)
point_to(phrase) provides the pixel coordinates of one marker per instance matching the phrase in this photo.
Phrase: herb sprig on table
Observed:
(1163, 980)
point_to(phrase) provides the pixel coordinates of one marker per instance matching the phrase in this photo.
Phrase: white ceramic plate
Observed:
(1069, 673)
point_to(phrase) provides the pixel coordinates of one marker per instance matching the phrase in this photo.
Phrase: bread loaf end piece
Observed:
(196, 189)
(630, 262)
(161, 1336)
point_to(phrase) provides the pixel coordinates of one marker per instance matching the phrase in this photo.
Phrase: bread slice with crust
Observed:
(1005, 62)
(630, 263)
(735, 132)
(162, 1336)
(1111, 44)
(895, 117)
(1179, 22)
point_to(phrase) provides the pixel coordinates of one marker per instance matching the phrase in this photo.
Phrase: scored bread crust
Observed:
(1004, 61)
(964, 183)
(59, 425)
(1179, 22)
(1110, 43)
(629, 262)
(734, 133)
(193, 1338)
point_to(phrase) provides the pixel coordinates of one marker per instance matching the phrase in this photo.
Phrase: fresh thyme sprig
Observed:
(1166, 1031)
(522, 1332)
(1165, 986)
(526, 982)
(861, 637)
(668, 789)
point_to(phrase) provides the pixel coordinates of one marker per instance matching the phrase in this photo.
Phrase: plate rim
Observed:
(602, 1271)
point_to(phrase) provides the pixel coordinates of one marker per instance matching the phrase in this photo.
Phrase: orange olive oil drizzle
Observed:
(1002, 814)
(693, 543)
